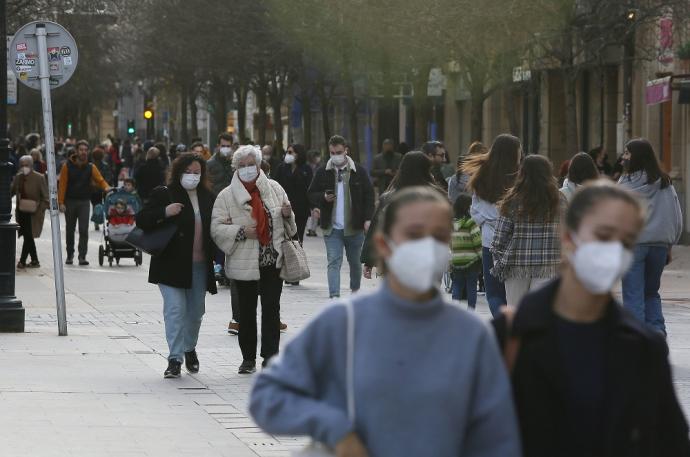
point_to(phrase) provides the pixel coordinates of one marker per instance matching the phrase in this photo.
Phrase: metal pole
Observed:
(12, 312)
(44, 76)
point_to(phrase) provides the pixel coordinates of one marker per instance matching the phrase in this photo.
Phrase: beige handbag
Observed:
(295, 265)
(27, 206)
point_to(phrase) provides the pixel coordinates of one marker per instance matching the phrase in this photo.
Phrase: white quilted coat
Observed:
(232, 210)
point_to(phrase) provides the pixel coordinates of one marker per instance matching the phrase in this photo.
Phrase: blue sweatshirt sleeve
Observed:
(492, 425)
(287, 397)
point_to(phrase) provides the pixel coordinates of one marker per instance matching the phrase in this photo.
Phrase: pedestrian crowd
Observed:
(564, 369)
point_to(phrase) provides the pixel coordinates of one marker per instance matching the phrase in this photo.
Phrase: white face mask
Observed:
(226, 151)
(419, 264)
(338, 160)
(248, 173)
(599, 264)
(190, 180)
(289, 159)
(26, 171)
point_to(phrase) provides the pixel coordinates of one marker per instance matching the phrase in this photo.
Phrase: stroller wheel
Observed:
(101, 255)
(137, 258)
(117, 260)
(110, 261)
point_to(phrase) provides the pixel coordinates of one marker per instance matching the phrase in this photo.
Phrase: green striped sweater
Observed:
(466, 243)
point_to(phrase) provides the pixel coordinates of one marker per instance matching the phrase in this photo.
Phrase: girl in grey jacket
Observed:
(663, 228)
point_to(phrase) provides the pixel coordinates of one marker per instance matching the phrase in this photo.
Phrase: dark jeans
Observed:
(641, 285)
(270, 287)
(77, 210)
(29, 246)
(301, 222)
(466, 280)
(495, 289)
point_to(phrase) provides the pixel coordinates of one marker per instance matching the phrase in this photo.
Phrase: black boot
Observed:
(191, 361)
(173, 370)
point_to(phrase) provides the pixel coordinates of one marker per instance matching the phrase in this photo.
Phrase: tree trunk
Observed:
(325, 102)
(421, 105)
(388, 121)
(193, 111)
(220, 104)
(277, 105)
(184, 128)
(306, 119)
(477, 114)
(570, 91)
(511, 108)
(353, 124)
(276, 94)
(241, 94)
(262, 104)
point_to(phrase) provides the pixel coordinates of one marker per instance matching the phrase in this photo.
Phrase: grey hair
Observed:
(26, 158)
(246, 151)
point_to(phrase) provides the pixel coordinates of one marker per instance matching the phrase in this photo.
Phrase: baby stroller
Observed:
(119, 208)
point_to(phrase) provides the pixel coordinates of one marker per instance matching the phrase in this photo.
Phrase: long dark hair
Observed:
(181, 163)
(582, 168)
(414, 170)
(535, 196)
(406, 197)
(493, 173)
(301, 152)
(643, 158)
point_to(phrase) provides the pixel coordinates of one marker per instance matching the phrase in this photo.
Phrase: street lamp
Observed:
(11, 309)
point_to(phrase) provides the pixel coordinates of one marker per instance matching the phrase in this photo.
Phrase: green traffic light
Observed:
(130, 130)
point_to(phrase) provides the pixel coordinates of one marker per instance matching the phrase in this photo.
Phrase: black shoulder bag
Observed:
(153, 242)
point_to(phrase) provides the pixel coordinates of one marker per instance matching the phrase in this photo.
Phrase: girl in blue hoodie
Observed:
(427, 376)
(663, 229)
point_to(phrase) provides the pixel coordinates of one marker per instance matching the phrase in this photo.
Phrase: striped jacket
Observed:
(523, 249)
(466, 243)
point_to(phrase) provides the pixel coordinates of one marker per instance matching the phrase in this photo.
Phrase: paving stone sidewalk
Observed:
(100, 390)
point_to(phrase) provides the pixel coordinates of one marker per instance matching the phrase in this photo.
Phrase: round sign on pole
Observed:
(62, 55)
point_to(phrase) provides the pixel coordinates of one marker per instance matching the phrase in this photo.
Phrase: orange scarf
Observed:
(258, 213)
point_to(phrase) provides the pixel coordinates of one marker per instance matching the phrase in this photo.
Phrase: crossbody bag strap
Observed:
(350, 360)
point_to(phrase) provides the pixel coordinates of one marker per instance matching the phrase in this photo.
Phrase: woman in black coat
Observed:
(295, 176)
(184, 270)
(588, 378)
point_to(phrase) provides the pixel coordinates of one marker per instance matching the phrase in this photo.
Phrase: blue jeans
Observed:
(466, 279)
(641, 285)
(495, 289)
(183, 310)
(334, 253)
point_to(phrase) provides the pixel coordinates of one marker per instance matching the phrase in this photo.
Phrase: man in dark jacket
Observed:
(220, 174)
(150, 175)
(385, 166)
(436, 152)
(220, 165)
(342, 192)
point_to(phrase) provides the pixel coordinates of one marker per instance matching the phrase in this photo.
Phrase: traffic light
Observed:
(131, 128)
(149, 115)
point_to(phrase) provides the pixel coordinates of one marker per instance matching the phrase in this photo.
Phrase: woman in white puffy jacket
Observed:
(251, 218)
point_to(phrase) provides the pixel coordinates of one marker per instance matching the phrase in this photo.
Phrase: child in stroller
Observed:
(120, 208)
